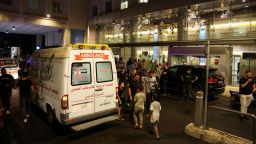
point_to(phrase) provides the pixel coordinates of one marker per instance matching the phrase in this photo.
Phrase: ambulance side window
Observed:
(104, 72)
(81, 73)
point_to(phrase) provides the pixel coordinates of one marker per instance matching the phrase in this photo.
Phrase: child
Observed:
(120, 99)
(139, 102)
(154, 115)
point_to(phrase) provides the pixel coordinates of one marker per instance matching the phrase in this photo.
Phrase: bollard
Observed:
(199, 108)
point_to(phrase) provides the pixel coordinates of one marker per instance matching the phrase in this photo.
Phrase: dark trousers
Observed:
(186, 91)
(5, 97)
(148, 102)
(25, 105)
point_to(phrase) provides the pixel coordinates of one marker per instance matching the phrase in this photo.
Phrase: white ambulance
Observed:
(76, 85)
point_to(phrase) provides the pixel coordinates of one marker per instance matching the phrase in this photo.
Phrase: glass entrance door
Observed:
(235, 69)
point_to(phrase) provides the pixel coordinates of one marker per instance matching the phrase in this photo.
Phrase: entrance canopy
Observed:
(24, 28)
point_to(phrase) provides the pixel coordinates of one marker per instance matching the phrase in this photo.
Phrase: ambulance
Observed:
(76, 85)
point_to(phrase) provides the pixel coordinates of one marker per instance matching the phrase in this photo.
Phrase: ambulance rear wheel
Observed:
(50, 117)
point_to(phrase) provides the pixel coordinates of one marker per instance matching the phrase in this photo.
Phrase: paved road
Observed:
(175, 115)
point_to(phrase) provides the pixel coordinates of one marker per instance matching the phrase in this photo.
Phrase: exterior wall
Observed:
(239, 23)
(136, 9)
(73, 15)
(78, 16)
(92, 35)
(125, 53)
(14, 7)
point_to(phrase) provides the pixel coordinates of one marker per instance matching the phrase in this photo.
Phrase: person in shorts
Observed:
(155, 108)
(246, 88)
(139, 102)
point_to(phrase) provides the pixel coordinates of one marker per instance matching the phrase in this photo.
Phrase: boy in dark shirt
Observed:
(26, 88)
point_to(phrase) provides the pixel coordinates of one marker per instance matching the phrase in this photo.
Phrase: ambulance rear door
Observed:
(81, 86)
(105, 80)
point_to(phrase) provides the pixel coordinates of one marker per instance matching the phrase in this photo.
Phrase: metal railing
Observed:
(229, 121)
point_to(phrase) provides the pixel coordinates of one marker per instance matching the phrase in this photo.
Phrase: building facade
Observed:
(151, 29)
(58, 22)
(161, 30)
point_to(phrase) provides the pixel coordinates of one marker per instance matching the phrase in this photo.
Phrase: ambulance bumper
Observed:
(87, 118)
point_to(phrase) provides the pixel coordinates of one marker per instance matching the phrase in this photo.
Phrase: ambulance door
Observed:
(105, 87)
(81, 89)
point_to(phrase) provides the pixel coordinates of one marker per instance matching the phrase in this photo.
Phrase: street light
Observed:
(13, 28)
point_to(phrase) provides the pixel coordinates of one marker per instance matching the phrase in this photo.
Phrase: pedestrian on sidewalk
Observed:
(246, 86)
(151, 85)
(6, 84)
(155, 108)
(139, 102)
(25, 87)
(188, 79)
(121, 100)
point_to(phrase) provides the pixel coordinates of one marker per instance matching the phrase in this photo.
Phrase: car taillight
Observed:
(116, 92)
(64, 102)
(212, 80)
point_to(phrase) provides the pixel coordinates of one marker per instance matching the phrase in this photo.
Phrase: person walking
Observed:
(151, 88)
(188, 79)
(246, 87)
(155, 108)
(134, 85)
(121, 100)
(139, 102)
(6, 84)
(25, 87)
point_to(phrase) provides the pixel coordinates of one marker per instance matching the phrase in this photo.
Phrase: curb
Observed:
(214, 136)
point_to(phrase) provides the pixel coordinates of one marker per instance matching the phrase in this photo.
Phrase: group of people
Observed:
(7, 82)
(138, 89)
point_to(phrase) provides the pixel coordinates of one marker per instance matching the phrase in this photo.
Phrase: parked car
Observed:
(216, 84)
(11, 66)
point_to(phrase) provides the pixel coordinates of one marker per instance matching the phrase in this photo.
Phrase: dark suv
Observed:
(216, 83)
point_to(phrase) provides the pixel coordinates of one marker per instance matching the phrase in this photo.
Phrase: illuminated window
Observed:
(143, 1)
(33, 4)
(57, 7)
(124, 4)
(5, 2)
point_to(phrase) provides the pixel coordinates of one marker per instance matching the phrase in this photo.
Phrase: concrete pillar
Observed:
(182, 24)
(66, 37)
(39, 40)
(199, 109)
(133, 49)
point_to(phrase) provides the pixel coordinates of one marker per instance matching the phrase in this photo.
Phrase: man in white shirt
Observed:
(150, 83)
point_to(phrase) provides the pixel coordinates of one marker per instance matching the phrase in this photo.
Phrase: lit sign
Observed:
(91, 55)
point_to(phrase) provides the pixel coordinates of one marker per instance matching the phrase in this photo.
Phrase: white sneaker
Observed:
(27, 115)
(25, 120)
(7, 112)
